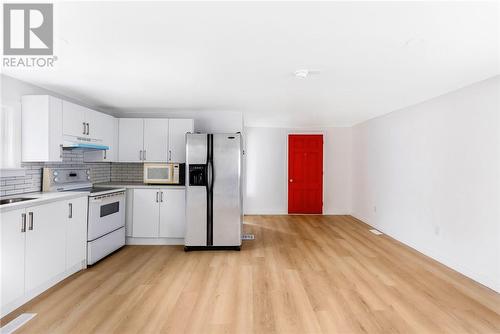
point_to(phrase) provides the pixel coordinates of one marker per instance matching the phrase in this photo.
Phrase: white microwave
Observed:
(161, 173)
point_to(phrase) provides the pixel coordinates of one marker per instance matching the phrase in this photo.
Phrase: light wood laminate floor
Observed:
(301, 274)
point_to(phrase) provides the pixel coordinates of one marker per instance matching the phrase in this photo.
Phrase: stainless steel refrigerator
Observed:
(213, 191)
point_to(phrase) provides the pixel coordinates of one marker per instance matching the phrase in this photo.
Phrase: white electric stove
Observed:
(106, 209)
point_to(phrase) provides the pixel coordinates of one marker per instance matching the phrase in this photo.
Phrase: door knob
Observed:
(291, 180)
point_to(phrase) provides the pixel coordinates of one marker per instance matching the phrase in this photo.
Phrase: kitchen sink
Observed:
(14, 200)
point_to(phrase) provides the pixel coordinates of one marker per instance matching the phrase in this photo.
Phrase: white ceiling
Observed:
(374, 57)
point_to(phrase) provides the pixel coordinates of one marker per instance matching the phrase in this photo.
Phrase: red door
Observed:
(305, 174)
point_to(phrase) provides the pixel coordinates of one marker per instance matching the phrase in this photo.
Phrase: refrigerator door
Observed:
(226, 178)
(196, 190)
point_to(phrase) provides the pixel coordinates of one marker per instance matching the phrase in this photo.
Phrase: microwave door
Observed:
(162, 174)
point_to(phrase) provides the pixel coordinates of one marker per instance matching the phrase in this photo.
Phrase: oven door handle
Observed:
(108, 199)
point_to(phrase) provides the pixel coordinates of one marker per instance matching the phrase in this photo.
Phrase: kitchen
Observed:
(134, 167)
(186, 167)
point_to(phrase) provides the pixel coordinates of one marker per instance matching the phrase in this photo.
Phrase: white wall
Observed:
(266, 183)
(429, 176)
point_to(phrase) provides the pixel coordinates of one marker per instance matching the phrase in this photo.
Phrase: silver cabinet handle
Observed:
(23, 223)
(161, 196)
(140, 155)
(105, 154)
(88, 129)
(84, 128)
(60, 151)
(144, 155)
(70, 210)
(169, 155)
(157, 193)
(30, 221)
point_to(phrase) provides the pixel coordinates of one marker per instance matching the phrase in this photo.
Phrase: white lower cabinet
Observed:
(76, 236)
(172, 213)
(146, 213)
(13, 235)
(45, 251)
(159, 213)
(41, 245)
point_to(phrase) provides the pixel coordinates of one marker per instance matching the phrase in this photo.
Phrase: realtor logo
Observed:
(28, 29)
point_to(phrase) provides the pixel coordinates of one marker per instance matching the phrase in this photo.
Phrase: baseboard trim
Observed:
(333, 213)
(488, 282)
(17, 323)
(210, 248)
(29, 295)
(154, 241)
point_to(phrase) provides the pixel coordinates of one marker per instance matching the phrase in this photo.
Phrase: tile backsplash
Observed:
(99, 172)
(132, 172)
(32, 181)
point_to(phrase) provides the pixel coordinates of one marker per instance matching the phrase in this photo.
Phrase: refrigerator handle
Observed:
(210, 175)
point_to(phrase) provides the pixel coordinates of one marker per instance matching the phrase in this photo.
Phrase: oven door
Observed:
(106, 214)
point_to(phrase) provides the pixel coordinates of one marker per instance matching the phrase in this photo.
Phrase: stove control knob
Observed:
(56, 173)
(56, 179)
(88, 172)
(88, 177)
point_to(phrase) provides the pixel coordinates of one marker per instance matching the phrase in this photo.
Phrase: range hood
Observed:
(85, 146)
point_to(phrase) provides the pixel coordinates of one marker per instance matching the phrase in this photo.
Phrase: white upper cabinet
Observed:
(130, 139)
(99, 124)
(177, 130)
(48, 123)
(42, 128)
(74, 119)
(81, 122)
(155, 140)
(108, 126)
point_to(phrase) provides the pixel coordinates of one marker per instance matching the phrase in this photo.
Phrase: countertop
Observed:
(136, 185)
(40, 198)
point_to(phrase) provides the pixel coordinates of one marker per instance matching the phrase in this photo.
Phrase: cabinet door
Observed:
(177, 139)
(12, 238)
(155, 139)
(146, 213)
(100, 125)
(41, 130)
(45, 243)
(76, 227)
(74, 119)
(110, 138)
(130, 139)
(172, 213)
(112, 154)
